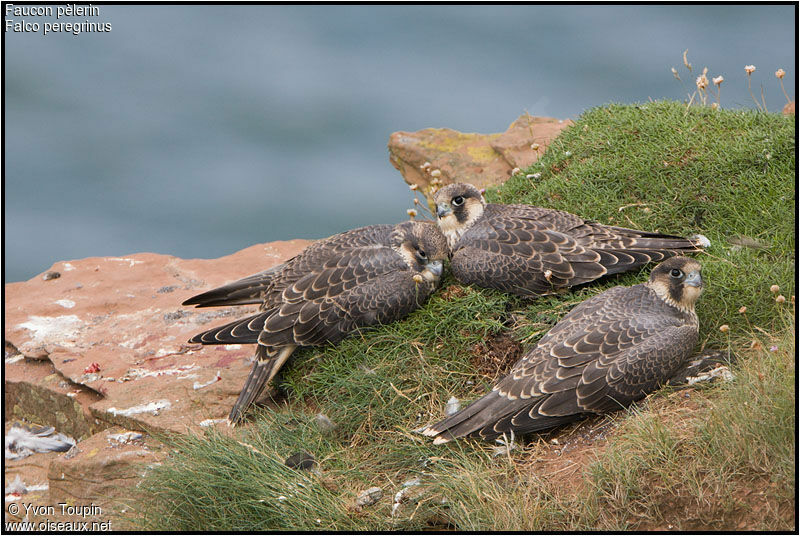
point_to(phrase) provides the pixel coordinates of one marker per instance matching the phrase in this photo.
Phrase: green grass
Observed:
(726, 174)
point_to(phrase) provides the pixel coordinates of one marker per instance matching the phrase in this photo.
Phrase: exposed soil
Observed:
(563, 456)
(495, 356)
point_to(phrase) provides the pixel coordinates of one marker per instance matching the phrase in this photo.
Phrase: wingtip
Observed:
(439, 440)
(430, 432)
(193, 301)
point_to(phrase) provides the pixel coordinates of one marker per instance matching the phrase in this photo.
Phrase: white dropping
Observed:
(52, 327)
(151, 407)
(215, 379)
(211, 422)
(125, 259)
(66, 304)
(124, 437)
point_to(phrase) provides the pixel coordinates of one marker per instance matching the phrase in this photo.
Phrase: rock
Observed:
(100, 479)
(105, 344)
(37, 392)
(480, 159)
(368, 497)
(108, 327)
(301, 460)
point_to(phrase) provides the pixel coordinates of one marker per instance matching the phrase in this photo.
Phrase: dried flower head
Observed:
(780, 73)
(773, 348)
(413, 186)
(742, 309)
(714, 105)
(436, 173)
(717, 80)
(515, 171)
(675, 72)
(686, 61)
(426, 165)
(412, 213)
(749, 69)
(702, 82)
(724, 328)
(535, 146)
(775, 289)
(780, 299)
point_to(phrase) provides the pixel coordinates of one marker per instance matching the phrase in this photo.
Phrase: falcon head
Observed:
(678, 282)
(423, 247)
(457, 207)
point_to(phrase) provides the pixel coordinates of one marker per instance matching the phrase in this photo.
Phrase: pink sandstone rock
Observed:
(101, 476)
(116, 326)
(480, 159)
(105, 343)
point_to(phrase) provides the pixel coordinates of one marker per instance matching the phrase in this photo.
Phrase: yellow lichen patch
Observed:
(447, 142)
(483, 153)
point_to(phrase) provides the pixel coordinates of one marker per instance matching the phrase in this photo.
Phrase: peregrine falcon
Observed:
(372, 275)
(608, 352)
(532, 251)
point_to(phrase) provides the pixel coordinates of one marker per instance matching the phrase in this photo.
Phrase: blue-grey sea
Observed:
(199, 130)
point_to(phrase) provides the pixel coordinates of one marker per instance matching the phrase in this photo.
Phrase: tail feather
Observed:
(264, 369)
(493, 415)
(242, 331)
(246, 291)
(483, 412)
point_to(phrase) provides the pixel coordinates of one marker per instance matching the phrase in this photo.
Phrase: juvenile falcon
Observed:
(608, 352)
(366, 276)
(532, 251)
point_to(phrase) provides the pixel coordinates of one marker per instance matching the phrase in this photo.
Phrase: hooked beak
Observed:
(694, 279)
(442, 210)
(435, 267)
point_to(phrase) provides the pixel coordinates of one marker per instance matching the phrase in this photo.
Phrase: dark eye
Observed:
(458, 201)
(676, 273)
(422, 254)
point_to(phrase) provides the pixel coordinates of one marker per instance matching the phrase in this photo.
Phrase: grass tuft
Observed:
(707, 457)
